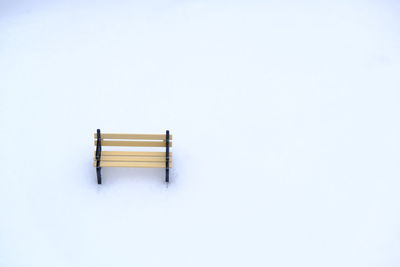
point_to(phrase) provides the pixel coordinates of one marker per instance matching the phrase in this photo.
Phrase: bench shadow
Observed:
(132, 175)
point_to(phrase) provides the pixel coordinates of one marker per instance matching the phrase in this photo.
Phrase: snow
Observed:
(285, 117)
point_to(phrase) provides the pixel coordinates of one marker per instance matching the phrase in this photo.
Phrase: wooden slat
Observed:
(133, 153)
(133, 136)
(131, 164)
(133, 159)
(134, 143)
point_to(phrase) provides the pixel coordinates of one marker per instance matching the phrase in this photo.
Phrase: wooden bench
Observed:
(135, 159)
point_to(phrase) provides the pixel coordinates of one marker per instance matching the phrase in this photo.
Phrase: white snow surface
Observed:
(285, 117)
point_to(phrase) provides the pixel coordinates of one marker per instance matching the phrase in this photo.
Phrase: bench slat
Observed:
(133, 136)
(132, 164)
(132, 159)
(134, 143)
(133, 153)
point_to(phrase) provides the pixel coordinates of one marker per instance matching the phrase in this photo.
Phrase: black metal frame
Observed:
(98, 157)
(167, 157)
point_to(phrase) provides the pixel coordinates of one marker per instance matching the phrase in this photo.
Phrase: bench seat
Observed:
(133, 159)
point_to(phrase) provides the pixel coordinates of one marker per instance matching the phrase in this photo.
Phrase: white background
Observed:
(285, 116)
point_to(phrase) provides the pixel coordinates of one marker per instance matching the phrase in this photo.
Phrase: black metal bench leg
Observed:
(98, 171)
(167, 157)
(98, 157)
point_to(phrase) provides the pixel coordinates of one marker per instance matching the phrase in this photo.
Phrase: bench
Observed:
(132, 159)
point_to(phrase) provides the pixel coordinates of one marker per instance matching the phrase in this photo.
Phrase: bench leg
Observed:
(98, 156)
(98, 171)
(167, 156)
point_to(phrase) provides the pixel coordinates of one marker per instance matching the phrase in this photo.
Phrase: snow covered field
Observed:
(285, 116)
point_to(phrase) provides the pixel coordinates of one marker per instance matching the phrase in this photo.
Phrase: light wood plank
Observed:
(134, 136)
(133, 159)
(132, 164)
(133, 153)
(134, 143)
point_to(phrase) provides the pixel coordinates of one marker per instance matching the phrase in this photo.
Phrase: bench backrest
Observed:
(130, 140)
